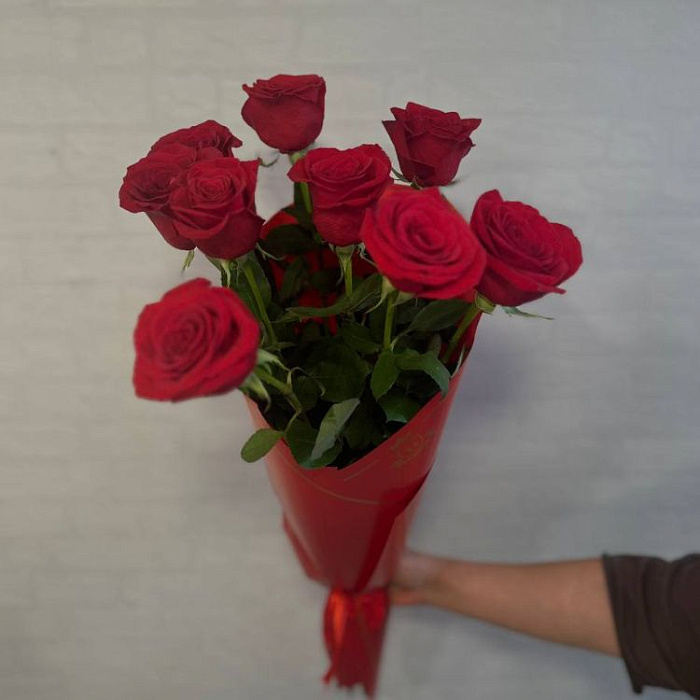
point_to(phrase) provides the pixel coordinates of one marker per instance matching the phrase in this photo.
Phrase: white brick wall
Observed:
(139, 558)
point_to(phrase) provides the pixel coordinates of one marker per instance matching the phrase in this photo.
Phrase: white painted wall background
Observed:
(139, 558)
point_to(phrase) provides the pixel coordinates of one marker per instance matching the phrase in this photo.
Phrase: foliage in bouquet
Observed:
(351, 307)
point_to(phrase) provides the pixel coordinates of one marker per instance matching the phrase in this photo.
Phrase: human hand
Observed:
(418, 580)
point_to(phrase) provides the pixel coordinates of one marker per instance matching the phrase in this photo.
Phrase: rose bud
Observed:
(527, 256)
(286, 111)
(214, 206)
(208, 134)
(422, 244)
(197, 340)
(343, 184)
(429, 143)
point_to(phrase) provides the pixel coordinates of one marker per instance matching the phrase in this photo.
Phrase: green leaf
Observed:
(359, 338)
(253, 385)
(338, 368)
(298, 312)
(399, 176)
(236, 280)
(438, 315)
(483, 304)
(260, 278)
(289, 239)
(224, 267)
(310, 333)
(332, 425)
(269, 164)
(515, 311)
(188, 260)
(243, 290)
(418, 385)
(259, 444)
(399, 407)
(405, 313)
(266, 358)
(307, 391)
(293, 279)
(428, 363)
(435, 343)
(325, 281)
(366, 293)
(386, 289)
(363, 426)
(301, 438)
(361, 298)
(384, 374)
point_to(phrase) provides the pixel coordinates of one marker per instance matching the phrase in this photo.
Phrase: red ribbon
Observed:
(354, 626)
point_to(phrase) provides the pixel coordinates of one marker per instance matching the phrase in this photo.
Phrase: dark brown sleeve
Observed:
(656, 606)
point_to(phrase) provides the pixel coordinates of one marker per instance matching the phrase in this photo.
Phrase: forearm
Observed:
(564, 602)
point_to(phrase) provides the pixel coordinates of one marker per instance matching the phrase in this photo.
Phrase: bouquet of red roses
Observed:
(345, 320)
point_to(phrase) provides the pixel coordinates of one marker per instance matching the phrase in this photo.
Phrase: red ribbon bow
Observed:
(354, 626)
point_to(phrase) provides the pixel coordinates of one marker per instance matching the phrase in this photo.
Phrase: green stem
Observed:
(250, 276)
(303, 186)
(282, 387)
(471, 314)
(389, 320)
(306, 196)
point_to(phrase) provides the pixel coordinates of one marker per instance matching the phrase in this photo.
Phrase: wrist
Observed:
(437, 591)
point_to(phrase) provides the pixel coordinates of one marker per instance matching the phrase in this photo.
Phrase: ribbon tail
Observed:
(354, 625)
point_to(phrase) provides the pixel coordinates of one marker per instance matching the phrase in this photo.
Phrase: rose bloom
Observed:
(527, 255)
(430, 144)
(343, 184)
(196, 341)
(286, 111)
(148, 184)
(208, 134)
(214, 206)
(422, 244)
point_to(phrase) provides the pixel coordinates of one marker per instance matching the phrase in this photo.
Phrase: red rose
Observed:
(167, 229)
(196, 341)
(286, 111)
(215, 207)
(422, 244)
(208, 134)
(429, 143)
(148, 184)
(527, 256)
(342, 185)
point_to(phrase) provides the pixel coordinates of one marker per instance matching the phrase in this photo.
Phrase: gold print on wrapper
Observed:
(409, 446)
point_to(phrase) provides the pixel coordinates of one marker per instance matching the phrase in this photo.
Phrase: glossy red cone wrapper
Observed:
(348, 527)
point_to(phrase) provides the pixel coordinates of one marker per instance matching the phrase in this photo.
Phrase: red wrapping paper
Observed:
(348, 527)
